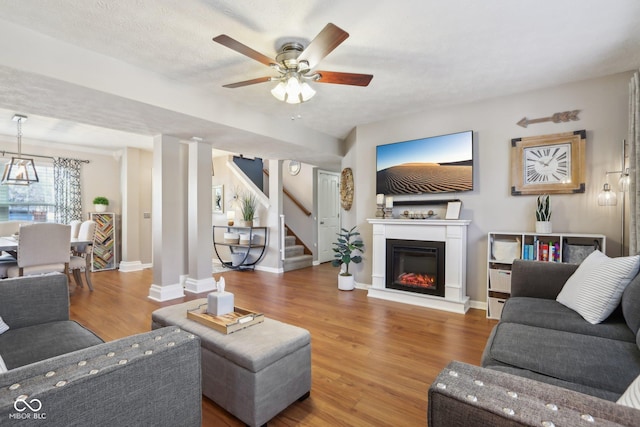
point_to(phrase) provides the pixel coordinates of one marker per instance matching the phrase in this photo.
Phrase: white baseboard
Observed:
(128, 266)
(480, 305)
(270, 269)
(166, 293)
(198, 286)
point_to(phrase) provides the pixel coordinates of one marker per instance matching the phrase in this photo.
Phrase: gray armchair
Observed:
(73, 379)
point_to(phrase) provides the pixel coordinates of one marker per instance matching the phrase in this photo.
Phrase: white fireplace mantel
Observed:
(452, 232)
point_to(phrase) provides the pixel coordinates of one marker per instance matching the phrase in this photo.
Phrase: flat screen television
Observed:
(438, 164)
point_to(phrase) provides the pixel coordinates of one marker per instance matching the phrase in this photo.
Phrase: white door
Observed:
(328, 213)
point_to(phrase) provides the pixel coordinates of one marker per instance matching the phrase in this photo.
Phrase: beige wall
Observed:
(603, 105)
(300, 186)
(144, 233)
(100, 177)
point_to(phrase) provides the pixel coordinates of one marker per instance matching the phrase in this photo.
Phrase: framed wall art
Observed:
(548, 164)
(217, 199)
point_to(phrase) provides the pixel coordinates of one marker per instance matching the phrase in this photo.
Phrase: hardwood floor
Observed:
(372, 360)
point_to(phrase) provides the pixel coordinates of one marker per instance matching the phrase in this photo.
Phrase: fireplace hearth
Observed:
(420, 277)
(415, 266)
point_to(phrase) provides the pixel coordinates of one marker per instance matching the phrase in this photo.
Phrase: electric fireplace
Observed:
(416, 266)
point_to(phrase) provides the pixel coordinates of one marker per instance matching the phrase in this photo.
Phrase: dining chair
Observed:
(75, 228)
(82, 254)
(42, 248)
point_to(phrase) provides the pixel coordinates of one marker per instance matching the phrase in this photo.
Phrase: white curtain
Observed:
(634, 164)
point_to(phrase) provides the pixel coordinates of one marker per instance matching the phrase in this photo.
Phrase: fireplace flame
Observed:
(417, 280)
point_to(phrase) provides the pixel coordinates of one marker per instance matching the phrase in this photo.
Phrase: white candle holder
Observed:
(380, 211)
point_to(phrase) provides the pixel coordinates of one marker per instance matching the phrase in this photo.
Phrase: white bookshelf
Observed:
(504, 247)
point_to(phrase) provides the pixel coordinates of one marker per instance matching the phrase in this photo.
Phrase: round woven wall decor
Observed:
(346, 188)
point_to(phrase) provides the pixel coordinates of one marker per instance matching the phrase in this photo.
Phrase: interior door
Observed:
(328, 213)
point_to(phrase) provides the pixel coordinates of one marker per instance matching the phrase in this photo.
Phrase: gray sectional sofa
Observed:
(62, 374)
(544, 363)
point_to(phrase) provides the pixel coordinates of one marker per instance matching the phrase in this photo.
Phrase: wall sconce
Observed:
(609, 198)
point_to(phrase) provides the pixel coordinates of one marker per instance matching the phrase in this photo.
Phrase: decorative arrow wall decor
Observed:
(556, 118)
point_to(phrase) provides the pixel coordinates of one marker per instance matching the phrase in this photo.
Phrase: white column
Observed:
(167, 219)
(379, 256)
(200, 229)
(272, 261)
(131, 216)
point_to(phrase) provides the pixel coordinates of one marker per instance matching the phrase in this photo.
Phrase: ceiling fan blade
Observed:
(344, 78)
(328, 39)
(227, 41)
(248, 82)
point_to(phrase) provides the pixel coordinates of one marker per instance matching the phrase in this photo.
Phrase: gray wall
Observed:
(603, 105)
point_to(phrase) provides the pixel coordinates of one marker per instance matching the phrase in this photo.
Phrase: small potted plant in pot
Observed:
(347, 250)
(248, 208)
(543, 214)
(100, 204)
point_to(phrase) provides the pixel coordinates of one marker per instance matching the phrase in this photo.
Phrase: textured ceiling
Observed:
(423, 54)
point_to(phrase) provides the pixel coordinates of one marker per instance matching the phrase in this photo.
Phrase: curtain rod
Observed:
(37, 155)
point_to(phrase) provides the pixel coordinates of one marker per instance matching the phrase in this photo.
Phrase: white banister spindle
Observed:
(282, 236)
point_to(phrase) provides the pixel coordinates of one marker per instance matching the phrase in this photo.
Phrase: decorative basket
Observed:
(231, 238)
(505, 250)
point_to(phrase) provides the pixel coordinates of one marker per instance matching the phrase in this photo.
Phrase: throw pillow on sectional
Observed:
(3, 328)
(631, 396)
(595, 288)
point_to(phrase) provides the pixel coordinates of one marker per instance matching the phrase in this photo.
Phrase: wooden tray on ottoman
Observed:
(241, 318)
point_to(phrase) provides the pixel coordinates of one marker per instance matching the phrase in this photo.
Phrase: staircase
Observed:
(294, 256)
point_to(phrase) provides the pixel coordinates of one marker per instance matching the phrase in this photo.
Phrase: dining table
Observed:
(10, 244)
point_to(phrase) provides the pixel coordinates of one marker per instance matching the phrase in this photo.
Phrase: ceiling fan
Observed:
(294, 64)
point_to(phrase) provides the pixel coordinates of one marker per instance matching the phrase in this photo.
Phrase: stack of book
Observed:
(542, 251)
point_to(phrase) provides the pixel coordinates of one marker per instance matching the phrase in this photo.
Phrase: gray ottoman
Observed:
(254, 373)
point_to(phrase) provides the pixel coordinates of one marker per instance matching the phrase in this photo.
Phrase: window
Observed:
(33, 202)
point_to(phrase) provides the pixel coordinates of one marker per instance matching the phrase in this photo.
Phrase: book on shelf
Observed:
(542, 251)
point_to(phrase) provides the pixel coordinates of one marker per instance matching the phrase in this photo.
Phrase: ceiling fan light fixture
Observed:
(306, 92)
(279, 92)
(294, 63)
(293, 89)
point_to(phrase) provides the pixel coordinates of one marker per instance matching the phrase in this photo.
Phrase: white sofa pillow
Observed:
(3, 326)
(631, 396)
(595, 288)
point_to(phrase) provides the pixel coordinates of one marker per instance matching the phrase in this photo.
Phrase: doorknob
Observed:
(321, 222)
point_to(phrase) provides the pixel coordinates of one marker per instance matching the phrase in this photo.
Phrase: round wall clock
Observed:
(294, 167)
(346, 188)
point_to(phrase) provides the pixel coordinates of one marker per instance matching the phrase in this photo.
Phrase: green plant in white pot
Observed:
(100, 204)
(248, 207)
(543, 214)
(347, 250)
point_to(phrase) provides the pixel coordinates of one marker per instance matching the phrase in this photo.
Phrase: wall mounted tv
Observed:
(438, 164)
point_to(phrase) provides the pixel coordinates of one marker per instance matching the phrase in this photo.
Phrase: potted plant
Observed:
(347, 250)
(248, 207)
(100, 204)
(543, 214)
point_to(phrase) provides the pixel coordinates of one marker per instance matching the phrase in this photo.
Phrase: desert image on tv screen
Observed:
(439, 164)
